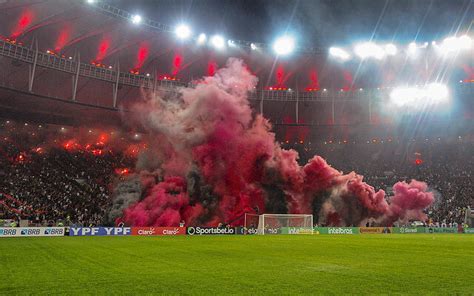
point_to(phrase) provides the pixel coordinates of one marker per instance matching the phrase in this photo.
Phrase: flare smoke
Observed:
(212, 160)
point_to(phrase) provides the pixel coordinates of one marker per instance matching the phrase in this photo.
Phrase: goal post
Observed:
(281, 223)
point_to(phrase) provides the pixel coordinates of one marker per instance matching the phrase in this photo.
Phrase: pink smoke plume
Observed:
(213, 160)
(409, 201)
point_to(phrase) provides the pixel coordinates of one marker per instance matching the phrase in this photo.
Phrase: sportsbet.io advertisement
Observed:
(210, 231)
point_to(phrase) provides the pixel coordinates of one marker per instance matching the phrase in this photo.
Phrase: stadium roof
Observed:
(75, 27)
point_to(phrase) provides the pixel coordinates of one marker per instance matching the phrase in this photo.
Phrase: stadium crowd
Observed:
(56, 184)
(444, 164)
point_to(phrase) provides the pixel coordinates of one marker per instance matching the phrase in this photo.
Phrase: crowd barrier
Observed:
(198, 231)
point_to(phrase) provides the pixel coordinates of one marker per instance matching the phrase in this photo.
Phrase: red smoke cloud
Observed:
(177, 63)
(142, 55)
(63, 38)
(103, 49)
(214, 160)
(25, 20)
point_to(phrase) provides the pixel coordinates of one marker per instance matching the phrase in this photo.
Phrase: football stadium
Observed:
(236, 147)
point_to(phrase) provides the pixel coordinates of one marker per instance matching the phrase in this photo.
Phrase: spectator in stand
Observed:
(56, 184)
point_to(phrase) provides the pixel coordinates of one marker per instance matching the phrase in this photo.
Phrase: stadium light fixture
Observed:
(339, 53)
(136, 19)
(253, 46)
(202, 38)
(182, 32)
(218, 42)
(284, 45)
(231, 43)
(368, 50)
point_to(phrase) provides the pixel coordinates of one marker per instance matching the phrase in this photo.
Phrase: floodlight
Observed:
(369, 49)
(339, 53)
(202, 38)
(182, 31)
(136, 19)
(284, 45)
(218, 42)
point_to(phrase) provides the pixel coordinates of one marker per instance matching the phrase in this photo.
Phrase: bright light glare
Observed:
(433, 93)
(339, 53)
(136, 19)
(453, 44)
(437, 92)
(218, 42)
(412, 49)
(465, 42)
(369, 49)
(182, 31)
(390, 49)
(253, 46)
(91, 1)
(284, 45)
(202, 38)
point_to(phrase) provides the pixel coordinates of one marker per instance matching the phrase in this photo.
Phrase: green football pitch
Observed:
(416, 264)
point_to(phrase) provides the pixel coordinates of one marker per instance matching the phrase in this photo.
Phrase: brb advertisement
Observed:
(31, 231)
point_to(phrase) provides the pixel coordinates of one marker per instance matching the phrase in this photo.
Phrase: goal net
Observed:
(279, 224)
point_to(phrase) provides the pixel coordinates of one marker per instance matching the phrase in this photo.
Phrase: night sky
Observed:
(314, 22)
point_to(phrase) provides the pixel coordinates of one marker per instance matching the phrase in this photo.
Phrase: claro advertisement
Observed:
(151, 231)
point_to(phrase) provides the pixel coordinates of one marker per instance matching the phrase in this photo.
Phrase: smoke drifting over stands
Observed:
(215, 161)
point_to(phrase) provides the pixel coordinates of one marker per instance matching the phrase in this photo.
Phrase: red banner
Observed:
(149, 231)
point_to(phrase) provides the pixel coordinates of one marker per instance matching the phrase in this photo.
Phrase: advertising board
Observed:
(99, 231)
(31, 231)
(210, 231)
(151, 231)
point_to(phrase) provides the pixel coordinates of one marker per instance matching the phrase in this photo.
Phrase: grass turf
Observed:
(283, 264)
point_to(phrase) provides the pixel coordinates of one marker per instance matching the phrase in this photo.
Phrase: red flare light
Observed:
(122, 171)
(211, 68)
(103, 49)
(98, 64)
(177, 62)
(169, 77)
(142, 55)
(63, 38)
(97, 152)
(24, 22)
(134, 71)
(277, 88)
